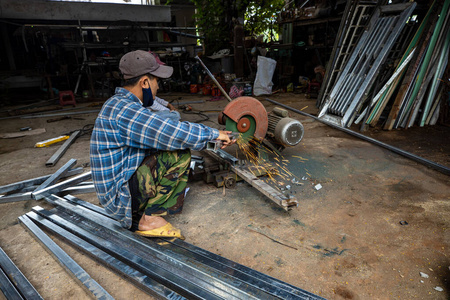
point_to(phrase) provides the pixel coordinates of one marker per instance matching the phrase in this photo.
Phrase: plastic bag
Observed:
(263, 81)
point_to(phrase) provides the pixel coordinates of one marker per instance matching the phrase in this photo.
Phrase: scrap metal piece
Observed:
(10, 272)
(61, 186)
(65, 260)
(60, 152)
(57, 175)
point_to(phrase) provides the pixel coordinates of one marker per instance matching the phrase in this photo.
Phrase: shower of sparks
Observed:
(254, 151)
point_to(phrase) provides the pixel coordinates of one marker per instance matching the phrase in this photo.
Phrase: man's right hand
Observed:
(224, 137)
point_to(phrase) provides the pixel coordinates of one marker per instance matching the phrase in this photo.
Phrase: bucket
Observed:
(207, 89)
(194, 88)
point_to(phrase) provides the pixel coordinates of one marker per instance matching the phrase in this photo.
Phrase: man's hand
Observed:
(225, 138)
(171, 107)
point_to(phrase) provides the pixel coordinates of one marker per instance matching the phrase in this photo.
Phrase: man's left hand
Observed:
(171, 107)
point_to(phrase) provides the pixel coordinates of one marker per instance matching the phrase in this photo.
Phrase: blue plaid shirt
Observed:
(123, 135)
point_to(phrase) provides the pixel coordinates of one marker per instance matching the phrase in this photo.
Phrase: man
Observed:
(139, 160)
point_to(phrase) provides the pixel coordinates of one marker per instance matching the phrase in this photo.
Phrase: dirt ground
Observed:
(344, 241)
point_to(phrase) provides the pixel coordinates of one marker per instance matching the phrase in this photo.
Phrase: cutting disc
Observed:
(246, 126)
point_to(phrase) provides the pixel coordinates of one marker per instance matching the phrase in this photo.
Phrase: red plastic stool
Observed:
(66, 97)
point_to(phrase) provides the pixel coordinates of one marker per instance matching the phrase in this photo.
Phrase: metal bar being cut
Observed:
(66, 261)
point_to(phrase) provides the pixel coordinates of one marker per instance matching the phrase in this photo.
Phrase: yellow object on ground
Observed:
(165, 231)
(48, 142)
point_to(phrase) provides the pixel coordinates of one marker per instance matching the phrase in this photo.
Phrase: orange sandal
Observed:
(164, 231)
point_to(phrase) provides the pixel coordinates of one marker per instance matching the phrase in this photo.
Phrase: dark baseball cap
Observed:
(139, 62)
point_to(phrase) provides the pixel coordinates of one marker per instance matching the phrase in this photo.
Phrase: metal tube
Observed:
(57, 175)
(60, 152)
(61, 186)
(141, 280)
(242, 276)
(66, 261)
(443, 169)
(35, 181)
(13, 274)
(214, 79)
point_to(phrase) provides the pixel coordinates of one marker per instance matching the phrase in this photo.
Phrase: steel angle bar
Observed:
(20, 282)
(60, 152)
(381, 56)
(426, 162)
(7, 287)
(35, 181)
(239, 278)
(57, 175)
(139, 279)
(66, 261)
(61, 186)
(151, 268)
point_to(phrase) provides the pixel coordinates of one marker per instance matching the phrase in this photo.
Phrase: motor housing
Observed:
(284, 130)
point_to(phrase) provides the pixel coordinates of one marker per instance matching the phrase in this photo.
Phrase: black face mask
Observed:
(148, 97)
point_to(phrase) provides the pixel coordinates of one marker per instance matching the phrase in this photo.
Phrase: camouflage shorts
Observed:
(158, 185)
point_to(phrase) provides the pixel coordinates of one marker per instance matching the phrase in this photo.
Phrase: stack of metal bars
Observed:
(355, 18)
(355, 81)
(166, 268)
(432, 66)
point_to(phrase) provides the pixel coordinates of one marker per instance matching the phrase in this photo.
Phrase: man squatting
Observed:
(140, 159)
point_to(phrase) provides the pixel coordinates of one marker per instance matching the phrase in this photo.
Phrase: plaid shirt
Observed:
(124, 133)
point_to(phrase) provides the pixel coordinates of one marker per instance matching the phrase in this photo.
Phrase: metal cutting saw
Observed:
(275, 130)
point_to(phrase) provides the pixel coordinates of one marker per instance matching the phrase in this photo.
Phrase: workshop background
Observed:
(367, 84)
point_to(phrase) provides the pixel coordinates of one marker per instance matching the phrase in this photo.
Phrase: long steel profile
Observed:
(214, 79)
(122, 251)
(20, 282)
(239, 277)
(139, 279)
(57, 175)
(204, 277)
(34, 181)
(61, 186)
(60, 152)
(260, 280)
(66, 261)
(426, 162)
(8, 288)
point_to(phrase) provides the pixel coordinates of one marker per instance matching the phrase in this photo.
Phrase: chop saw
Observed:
(275, 130)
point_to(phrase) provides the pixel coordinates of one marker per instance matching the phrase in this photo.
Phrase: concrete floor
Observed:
(344, 241)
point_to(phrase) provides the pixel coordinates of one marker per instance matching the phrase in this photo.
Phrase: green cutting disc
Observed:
(230, 125)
